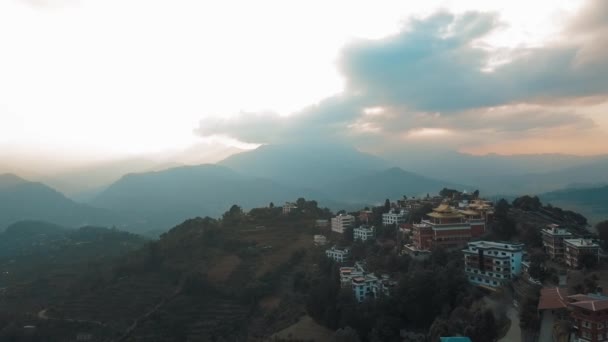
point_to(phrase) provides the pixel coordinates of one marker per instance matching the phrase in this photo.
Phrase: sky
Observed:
(194, 81)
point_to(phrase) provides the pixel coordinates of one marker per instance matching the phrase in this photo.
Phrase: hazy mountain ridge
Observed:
(513, 175)
(338, 177)
(391, 183)
(591, 202)
(24, 200)
(305, 165)
(168, 197)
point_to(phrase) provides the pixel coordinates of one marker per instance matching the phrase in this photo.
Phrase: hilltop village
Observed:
(531, 272)
(453, 266)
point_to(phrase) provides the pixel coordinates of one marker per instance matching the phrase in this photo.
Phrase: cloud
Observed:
(435, 76)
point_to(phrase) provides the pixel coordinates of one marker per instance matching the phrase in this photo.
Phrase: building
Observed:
(320, 240)
(553, 240)
(288, 207)
(446, 227)
(364, 233)
(341, 222)
(577, 249)
(338, 254)
(370, 286)
(475, 220)
(589, 315)
(492, 264)
(364, 287)
(394, 217)
(322, 223)
(366, 215)
(348, 273)
(483, 207)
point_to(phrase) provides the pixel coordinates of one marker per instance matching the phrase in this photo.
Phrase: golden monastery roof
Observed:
(470, 212)
(445, 215)
(444, 208)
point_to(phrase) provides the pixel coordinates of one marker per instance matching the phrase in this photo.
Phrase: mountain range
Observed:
(24, 200)
(338, 177)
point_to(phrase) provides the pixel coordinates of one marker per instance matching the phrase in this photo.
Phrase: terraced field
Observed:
(194, 318)
(119, 304)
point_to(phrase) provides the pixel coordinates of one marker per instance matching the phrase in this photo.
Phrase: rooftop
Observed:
(496, 245)
(581, 243)
(554, 229)
(470, 212)
(553, 298)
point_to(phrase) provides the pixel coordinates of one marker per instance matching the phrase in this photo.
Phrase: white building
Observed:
(364, 233)
(320, 240)
(337, 254)
(394, 217)
(322, 223)
(288, 207)
(576, 249)
(370, 286)
(492, 263)
(341, 222)
(348, 273)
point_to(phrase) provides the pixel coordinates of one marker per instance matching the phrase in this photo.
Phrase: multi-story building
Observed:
(553, 240)
(370, 286)
(492, 263)
(365, 285)
(447, 227)
(422, 236)
(589, 315)
(320, 240)
(341, 222)
(475, 220)
(289, 207)
(484, 207)
(365, 216)
(577, 249)
(322, 223)
(394, 217)
(338, 254)
(348, 273)
(364, 233)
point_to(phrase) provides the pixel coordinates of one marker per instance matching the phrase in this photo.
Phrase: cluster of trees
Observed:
(458, 195)
(602, 231)
(476, 323)
(503, 227)
(424, 297)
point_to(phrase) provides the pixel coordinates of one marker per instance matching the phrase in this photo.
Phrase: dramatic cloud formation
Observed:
(436, 79)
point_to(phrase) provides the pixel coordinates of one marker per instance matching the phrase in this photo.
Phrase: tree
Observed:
(387, 205)
(271, 205)
(602, 231)
(588, 260)
(346, 334)
(501, 209)
(528, 314)
(537, 266)
(483, 327)
(527, 203)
